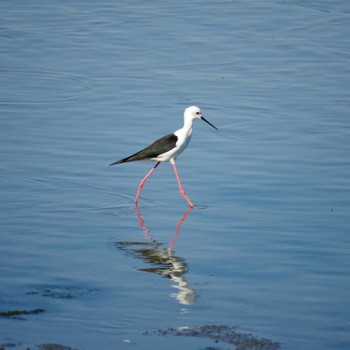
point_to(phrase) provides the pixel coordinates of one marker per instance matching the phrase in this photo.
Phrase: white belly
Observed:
(181, 144)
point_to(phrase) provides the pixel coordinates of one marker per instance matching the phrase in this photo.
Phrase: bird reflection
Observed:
(163, 261)
(146, 229)
(177, 229)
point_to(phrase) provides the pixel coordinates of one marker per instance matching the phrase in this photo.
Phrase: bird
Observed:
(167, 149)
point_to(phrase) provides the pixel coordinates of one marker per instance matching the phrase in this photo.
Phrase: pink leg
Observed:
(142, 182)
(180, 186)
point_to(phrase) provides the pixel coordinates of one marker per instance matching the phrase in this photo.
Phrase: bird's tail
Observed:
(119, 161)
(131, 158)
(114, 163)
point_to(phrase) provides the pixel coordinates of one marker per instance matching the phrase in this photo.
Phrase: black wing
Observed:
(158, 147)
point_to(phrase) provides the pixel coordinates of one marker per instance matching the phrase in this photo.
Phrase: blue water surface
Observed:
(265, 250)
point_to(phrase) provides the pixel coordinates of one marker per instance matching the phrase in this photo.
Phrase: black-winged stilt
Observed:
(167, 148)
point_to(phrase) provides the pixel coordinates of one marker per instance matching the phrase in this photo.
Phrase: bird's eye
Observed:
(197, 113)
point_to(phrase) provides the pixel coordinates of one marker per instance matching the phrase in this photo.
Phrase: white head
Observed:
(192, 113)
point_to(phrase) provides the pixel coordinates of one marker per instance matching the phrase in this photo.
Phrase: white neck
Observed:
(188, 123)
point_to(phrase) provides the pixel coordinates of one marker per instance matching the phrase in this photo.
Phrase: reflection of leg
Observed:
(145, 229)
(142, 182)
(177, 229)
(180, 186)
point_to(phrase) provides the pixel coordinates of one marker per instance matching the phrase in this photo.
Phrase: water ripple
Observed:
(33, 86)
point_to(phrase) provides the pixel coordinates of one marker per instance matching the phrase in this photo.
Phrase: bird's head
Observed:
(193, 112)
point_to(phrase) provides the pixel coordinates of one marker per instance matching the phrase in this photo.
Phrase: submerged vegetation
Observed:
(17, 314)
(219, 333)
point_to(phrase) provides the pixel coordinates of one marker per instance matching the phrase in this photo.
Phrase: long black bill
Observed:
(209, 123)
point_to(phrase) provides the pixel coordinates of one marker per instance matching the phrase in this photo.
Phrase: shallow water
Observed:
(265, 250)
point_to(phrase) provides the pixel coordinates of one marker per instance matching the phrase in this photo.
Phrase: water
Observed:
(266, 249)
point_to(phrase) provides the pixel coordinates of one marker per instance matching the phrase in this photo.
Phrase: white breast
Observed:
(183, 139)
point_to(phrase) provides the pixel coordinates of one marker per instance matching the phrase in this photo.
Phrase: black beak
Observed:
(209, 123)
